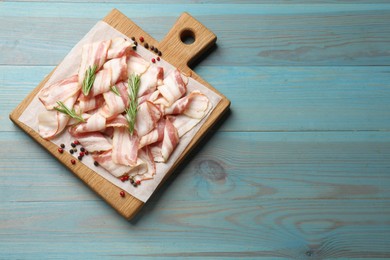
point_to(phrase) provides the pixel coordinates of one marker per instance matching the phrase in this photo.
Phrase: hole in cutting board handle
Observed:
(187, 36)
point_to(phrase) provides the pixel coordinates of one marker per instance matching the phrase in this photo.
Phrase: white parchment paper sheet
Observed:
(69, 66)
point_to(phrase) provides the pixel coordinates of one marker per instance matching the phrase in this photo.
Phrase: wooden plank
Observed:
(220, 2)
(285, 98)
(298, 35)
(175, 52)
(288, 229)
(312, 165)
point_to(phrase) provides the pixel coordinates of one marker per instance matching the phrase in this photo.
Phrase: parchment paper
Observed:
(69, 66)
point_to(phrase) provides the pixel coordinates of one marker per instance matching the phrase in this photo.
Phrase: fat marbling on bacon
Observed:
(166, 109)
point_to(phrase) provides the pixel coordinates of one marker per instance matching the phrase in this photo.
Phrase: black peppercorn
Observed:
(80, 157)
(73, 145)
(146, 45)
(95, 163)
(82, 149)
(71, 151)
(133, 38)
(159, 53)
(62, 146)
(155, 50)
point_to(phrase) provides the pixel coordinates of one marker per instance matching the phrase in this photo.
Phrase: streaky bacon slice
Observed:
(59, 91)
(193, 105)
(118, 121)
(118, 69)
(170, 140)
(154, 136)
(113, 71)
(125, 147)
(146, 156)
(147, 116)
(94, 123)
(105, 160)
(136, 64)
(174, 86)
(93, 54)
(52, 122)
(93, 141)
(122, 89)
(113, 105)
(90, 103)
(119, 47)
(152, 78)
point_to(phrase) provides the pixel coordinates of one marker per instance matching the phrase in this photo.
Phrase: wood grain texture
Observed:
(286, 99)
(204, 39)
(270, 35)
(298, 170)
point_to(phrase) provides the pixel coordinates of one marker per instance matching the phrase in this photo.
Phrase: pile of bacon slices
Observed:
(165, 112)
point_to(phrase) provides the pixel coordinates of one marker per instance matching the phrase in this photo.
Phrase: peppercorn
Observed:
(136, 43)
(71, 151)
(73, 145)
(62, 145)
(73, 161)
(135, 47)
(131, 180)
(158, 58)
(141, 39)
(154, 60)
(122, 193)
(151, 47)
(86, 152)
(96, 163)
(146, 45)
(155, 50)
(81, 154)
(159, 53)
(82, 149)
(138, 182)
(79, 157)
(122, 178)
(60, 150)
(133, 38)
(75, 150)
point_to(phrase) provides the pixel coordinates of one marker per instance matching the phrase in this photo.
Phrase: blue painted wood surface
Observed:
(299, 169)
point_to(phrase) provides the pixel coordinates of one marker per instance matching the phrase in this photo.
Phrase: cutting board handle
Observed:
(187, 27)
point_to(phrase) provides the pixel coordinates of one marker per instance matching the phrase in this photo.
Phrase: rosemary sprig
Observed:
(89, 78)
(115, 90)
(70, 112)
(131, 111)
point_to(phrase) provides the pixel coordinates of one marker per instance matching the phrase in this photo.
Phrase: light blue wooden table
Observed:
(299, 169)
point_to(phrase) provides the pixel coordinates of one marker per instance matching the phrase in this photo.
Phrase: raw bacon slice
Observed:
(93, 54)
(92, 142)
(90, 103)
(152, 78)
(125, 147)
(146, 156)
(113, 71)
(95, 123)
(114, 105)
(52, 122)
(147, 116)
(174, 87)
(118, 69)
(59, 91)
(154, 136)
(193, 105)
(170, 141)
(119, 47)
(118, 121)
(105, 160)
(136, 64)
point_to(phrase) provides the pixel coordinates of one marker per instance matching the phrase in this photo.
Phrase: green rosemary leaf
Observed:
(89, 78)
(131, 111)
(69, 112)
(115, 90)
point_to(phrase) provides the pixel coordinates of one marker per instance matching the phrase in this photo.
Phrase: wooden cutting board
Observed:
(176, 52)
